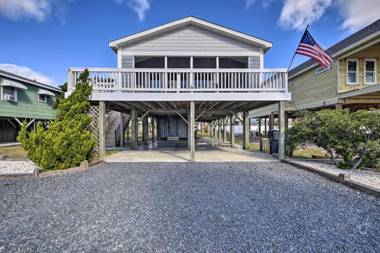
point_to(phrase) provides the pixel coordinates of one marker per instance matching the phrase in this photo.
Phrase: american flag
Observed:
(309, 47)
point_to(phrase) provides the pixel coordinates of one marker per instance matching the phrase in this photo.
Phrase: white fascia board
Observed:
(190, 53)
(192, 20)
(259, 96)
(344, 50)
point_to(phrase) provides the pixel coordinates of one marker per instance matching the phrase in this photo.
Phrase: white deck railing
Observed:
(183, 80)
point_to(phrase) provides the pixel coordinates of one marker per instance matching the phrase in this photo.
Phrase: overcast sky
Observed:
(40, 39)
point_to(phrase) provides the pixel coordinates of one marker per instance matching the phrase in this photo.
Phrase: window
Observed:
(42, 98)
(9, 93)
(179, 62)
(149, 62)
(369, 71)
(204, 62)
(233, 62)
(352, 71)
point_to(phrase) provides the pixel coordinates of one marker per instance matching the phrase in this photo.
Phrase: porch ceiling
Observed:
(204, 110)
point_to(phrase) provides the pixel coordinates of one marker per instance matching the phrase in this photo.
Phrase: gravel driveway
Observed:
(175, 207)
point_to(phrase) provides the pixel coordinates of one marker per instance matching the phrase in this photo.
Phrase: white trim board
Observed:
(249, 96)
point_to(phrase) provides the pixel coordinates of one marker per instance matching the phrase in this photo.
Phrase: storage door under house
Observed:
(8, 132)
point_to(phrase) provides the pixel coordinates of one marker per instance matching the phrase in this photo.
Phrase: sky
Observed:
(41, 39)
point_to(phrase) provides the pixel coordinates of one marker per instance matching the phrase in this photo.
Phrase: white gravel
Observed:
(367, 177)
(17, 167)
(187, 207)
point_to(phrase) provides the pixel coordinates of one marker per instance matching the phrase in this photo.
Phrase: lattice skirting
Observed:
(94, 126)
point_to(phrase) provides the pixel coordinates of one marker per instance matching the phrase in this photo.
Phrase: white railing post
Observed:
(178, 82)
(286, 81)
(191, 82)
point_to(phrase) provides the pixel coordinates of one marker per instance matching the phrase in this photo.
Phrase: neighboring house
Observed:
(22, 99)
(181, 72)
(353, 81)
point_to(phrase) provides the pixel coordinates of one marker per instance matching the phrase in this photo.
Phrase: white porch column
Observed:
(191, 124)
(281, 123)
(134, 128)
(232, 130)
(102, 130)
(246, 130)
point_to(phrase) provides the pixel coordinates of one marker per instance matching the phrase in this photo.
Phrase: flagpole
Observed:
(294, 55)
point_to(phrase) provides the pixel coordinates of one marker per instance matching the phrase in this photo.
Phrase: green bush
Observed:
(68, 140)
(354, 137)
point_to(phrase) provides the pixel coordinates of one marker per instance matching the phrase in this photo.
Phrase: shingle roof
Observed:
(363, 33)
(7, 74)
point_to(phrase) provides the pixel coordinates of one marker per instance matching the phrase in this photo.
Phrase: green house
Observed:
(22, 99)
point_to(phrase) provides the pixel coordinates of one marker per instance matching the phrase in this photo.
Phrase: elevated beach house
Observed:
(352, 81)
(180, 73)
(22, 99)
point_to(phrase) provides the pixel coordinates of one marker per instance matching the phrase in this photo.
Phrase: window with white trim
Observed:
(369, 71)
(42, 98)
(352, 71)
(9, 93)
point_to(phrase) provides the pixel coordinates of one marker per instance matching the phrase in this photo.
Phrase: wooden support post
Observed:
(128, 139)
(134, 128)
(265, 127)
(225, 129)
(271, 121)
(191, 130)
(246, 130)
(232, 130)
(145, 123)
(215, 130)
(153, 128)
(220, 123)
(122, 127)
(102, 130)
(281, 125)
(259, 119)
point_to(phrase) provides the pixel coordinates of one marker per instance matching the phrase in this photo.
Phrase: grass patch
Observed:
(111, 152)
(13, 152)
(309, 152)
(254, 146)
(202, 134)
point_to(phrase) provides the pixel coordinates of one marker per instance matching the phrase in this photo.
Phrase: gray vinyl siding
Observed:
(254, 62)
(127, 61)
(190, 39)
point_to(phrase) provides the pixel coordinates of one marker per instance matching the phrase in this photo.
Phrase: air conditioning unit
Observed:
(7, 97)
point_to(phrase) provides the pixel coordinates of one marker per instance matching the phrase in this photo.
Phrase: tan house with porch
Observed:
(352, 81)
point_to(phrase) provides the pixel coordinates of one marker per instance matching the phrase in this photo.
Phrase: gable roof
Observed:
(15, 77)
(339, 48)
(265, 45)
